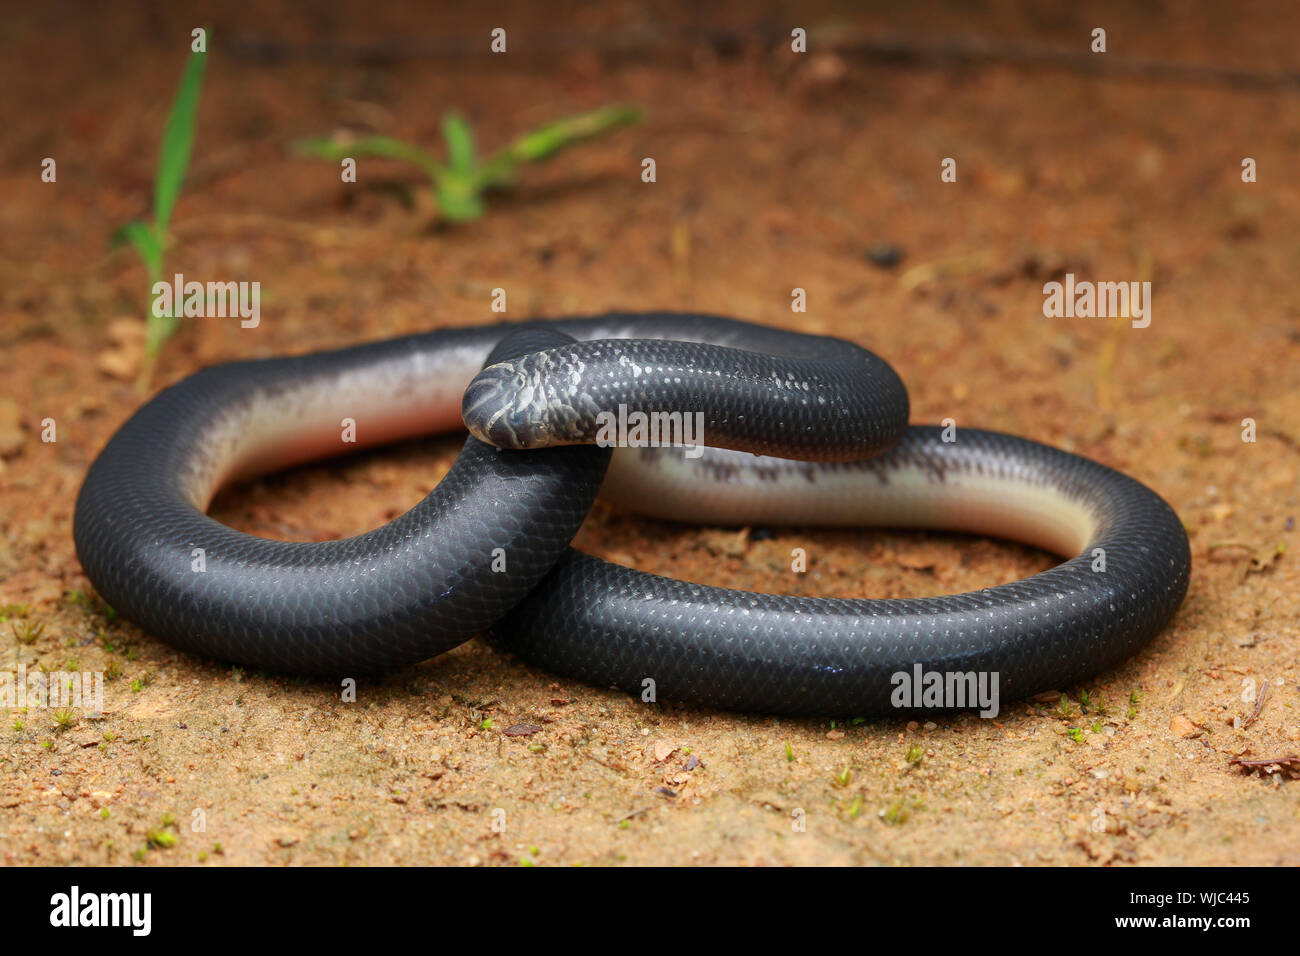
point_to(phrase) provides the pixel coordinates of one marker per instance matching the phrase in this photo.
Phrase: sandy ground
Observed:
(774, 172)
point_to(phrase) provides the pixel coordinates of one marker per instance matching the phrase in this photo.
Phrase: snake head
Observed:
(532, 401)
(495, 410)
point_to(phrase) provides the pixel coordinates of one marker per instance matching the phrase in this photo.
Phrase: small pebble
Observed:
(884, 254)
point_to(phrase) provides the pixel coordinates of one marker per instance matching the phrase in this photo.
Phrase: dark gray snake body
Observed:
(487, 550)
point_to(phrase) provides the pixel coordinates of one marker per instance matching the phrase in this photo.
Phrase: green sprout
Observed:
(28, 632)
(160, 839)
(149, 239)
(460, 181)
(13, 610)
(897, 813)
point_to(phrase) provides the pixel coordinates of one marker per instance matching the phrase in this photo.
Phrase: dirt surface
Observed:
(774, 171)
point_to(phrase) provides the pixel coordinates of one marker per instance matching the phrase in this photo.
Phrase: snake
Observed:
(791, 428)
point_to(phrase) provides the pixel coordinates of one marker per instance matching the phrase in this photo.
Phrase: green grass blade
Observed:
(460, 144)
(177, 143)
(144, 240)
(158, 329)
(384, 147)
(459, 197)
(546, 141)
